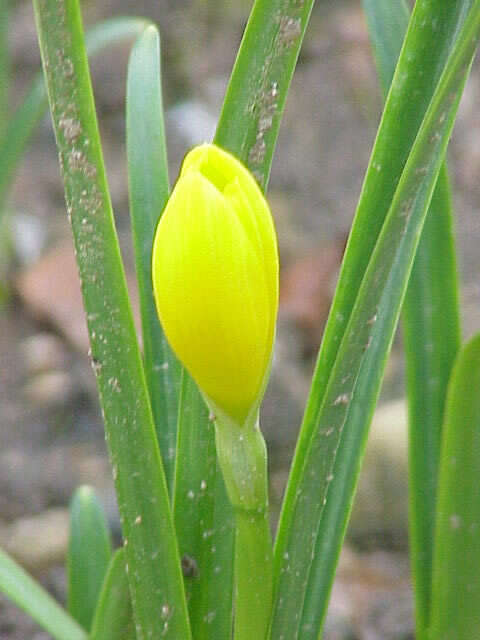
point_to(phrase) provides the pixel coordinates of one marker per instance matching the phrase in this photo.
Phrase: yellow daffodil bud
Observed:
(215, 279)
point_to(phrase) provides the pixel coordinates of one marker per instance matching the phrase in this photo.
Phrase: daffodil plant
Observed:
(182, 418)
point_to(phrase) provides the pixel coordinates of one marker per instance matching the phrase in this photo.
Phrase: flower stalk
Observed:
(242, 456)
(215, 279)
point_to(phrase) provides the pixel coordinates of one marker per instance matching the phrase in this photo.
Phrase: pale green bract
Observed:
(215, 279)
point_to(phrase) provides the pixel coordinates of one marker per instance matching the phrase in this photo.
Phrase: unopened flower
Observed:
(215, 279)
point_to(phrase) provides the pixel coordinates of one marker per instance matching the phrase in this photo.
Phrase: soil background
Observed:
(51, 437)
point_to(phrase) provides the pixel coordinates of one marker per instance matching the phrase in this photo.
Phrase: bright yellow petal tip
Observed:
(215, 278)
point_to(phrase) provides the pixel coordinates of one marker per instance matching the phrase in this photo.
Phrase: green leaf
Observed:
(258, 87)
(155, 577)
(30, 596)
(364, 316)
(197, 510)
(114, 617)
(203, 520)
(455, 587)
(17, 133)
(221, 573)
(431, 327)
(22, 123)
(387, 23)
(431, 330)
(89, 553)
(149, 189)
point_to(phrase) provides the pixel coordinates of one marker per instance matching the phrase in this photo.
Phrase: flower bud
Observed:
(215, 279)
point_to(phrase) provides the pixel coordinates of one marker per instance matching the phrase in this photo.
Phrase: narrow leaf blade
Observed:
(258, 87)
(431, 332)
(114, 617)
(387, 24)
(30, 596)
(151, 548)
(149, 189)
(203, 518)
(431, 327)
(89, 553)
(456, 591)
(195, 497)
(397, 131)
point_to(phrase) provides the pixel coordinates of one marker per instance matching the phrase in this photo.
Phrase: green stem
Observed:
(253, 575)
(243, 459)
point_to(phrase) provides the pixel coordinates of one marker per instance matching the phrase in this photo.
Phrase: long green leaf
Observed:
(431, 327)
(30, 596)
(149, 189)
(203, 520)
(347, 380)
(455, 589)
(256, 94)
(113, 617)
(434, 27)
(89, 553)
(197, 512)
(155, 578)
(431, 331)
(221, 571)
(387, 24)
(22, 123)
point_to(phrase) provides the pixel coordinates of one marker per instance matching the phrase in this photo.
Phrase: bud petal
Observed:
(215, 278)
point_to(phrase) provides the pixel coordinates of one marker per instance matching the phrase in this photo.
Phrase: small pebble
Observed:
(43, 352)
(50, 389)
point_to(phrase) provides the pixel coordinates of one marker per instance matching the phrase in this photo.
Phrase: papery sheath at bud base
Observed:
(215, 279)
